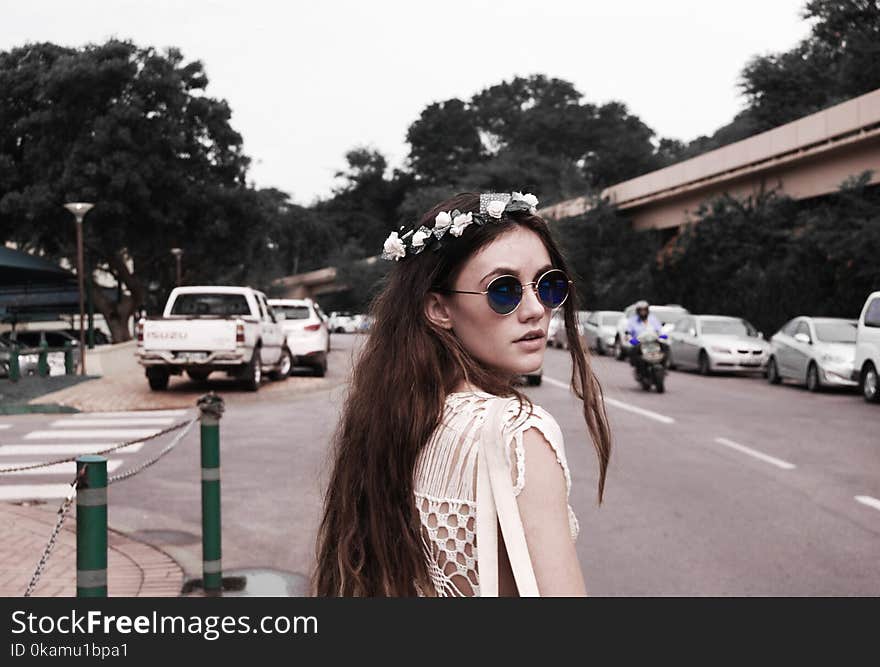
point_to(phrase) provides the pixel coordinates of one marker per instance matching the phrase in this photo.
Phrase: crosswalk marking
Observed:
(89, 434)
(125, 421)
(130, 413)
(62, 450)
(58, 468)
(33, 491)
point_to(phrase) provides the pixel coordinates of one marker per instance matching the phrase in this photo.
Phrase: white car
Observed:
(557, 335)
(866, 365)
(307, 334)
(668, 315)
(213, 328)
(344, 322)
(600, 329)
(817, 351)
(710, 343)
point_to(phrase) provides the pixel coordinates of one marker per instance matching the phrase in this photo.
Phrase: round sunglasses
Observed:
(505, 292)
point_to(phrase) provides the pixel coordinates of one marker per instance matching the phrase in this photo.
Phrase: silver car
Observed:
(817, 351)
(710, 343)
(600, 329)
(557, 336)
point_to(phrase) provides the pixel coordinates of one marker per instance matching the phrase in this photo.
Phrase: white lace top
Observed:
(446, 485)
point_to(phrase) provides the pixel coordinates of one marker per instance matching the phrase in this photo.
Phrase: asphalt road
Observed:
(721, 486)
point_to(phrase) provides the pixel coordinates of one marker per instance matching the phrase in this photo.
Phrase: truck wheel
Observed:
(158, 379)
(284, 366)
(254, 373)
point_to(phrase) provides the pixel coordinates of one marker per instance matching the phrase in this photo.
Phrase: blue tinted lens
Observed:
(504, 294)
(553, 288)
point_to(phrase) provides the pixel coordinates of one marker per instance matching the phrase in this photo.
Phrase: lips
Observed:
(534, 334)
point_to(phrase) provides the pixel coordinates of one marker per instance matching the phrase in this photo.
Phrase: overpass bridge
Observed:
(808, 157)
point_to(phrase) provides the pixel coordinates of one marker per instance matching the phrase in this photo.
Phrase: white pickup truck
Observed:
(208, 328)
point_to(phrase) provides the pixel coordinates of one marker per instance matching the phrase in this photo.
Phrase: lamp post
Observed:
(79, 210)
(177, 252)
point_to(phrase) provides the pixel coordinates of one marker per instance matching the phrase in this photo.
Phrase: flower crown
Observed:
(493, 205)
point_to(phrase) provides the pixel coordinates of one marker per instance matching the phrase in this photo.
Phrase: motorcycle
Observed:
(649, 353)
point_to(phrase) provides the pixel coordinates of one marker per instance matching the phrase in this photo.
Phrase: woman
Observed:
(463, 314)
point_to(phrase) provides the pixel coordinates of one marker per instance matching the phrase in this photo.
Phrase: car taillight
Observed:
(239, 332)
(312, 327)
(139, 332)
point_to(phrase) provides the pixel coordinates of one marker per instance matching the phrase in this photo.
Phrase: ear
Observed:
(437, 310)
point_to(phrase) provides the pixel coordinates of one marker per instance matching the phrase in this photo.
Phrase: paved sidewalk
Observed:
(134, 569)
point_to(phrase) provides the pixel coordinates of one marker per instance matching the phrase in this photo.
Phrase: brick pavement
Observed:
(134, 569)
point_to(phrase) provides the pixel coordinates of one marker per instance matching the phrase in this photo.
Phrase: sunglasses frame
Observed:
(533, 284)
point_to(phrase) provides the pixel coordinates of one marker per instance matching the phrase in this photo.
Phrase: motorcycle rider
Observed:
(643, 320)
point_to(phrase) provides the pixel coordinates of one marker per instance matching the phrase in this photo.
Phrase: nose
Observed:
(531, 306)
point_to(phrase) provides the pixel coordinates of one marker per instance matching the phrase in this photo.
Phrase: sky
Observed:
(308, 81)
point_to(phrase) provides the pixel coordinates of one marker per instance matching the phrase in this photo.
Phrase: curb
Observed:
(37, 408)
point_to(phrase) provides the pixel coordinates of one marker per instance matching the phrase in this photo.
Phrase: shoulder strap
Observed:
(496, 503)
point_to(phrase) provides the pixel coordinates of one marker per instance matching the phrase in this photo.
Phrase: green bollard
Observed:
(211, 407)
(69, 367)
(91, 527)
(14, 367)
(43, 360)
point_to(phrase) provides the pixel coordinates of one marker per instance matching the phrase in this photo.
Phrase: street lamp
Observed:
(79, 210)
(177, 252)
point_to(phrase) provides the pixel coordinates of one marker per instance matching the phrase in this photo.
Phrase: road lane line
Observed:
(869, 501)
(33, 491)
(2, 426)
(55, 469)
(785, 465)
(153, 421)
(663, 419)
(61, 450)
(113, 434)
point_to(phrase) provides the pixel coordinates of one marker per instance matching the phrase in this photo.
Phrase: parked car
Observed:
(600, 329)
(33, 338)
(344, 322)
(27, 363)
(668, 315)
(817, 351)
(213, 328)
(866, 365)
(710, 343)
(559, 337)
(100, 337)
(556, 329)
(308, 337)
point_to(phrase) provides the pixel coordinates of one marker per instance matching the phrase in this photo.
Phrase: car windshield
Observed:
(728, 328)
(210, 304)
(610, 319)
(836, 332)
(668, 316)
(293, 312)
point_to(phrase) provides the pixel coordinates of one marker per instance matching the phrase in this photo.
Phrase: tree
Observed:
(131, 129)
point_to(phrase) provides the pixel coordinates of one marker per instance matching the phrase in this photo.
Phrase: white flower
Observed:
(495, 208)
(418, 239)
(460, 223)
(394, 248)
(442, 220)
(529, 200)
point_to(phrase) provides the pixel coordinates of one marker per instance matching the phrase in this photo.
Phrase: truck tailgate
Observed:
(189, 334)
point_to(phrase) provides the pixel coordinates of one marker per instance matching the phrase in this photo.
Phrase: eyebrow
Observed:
(506, 270)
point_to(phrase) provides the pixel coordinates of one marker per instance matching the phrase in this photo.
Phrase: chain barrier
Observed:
(71, 495)
(128, 443)
(62, 515)
(143, 466)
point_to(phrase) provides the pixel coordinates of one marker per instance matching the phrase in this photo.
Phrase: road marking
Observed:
(128, 421)
(869, 501)
(785, 465)
(33, 491)
(57, 468)
(2, 426)
(663, 419)
(111, 433)
(131, 413)
(62, 450)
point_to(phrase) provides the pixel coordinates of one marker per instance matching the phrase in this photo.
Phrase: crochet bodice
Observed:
(446, 484)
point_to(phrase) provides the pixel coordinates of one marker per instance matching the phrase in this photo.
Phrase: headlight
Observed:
(720, 350)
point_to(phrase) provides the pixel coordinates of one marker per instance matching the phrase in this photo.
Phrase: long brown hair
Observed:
(369, 541)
